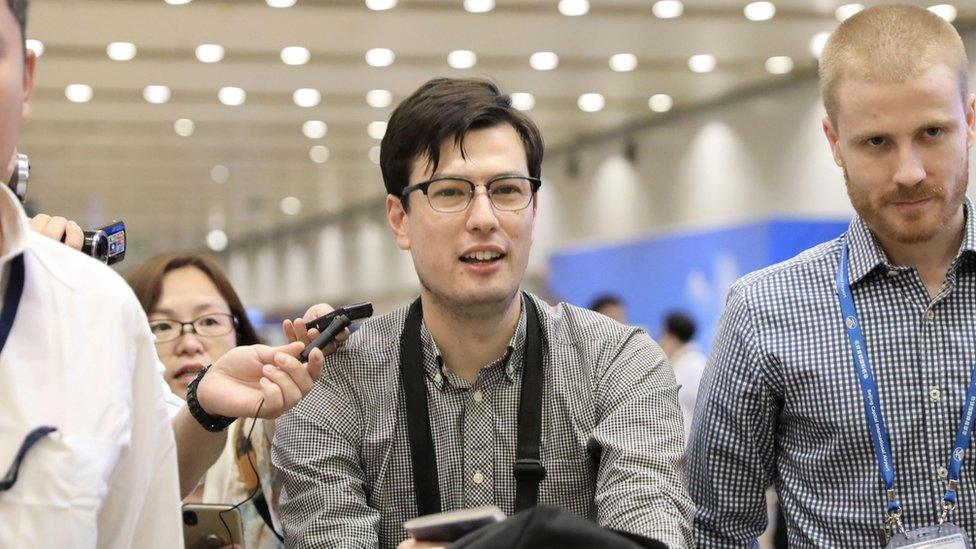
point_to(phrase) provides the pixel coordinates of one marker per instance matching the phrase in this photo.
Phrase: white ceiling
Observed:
(119, 157)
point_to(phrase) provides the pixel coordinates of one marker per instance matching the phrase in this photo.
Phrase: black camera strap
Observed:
(528, 469)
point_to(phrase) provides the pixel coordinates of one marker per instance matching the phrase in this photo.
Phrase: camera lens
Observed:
(189, 518)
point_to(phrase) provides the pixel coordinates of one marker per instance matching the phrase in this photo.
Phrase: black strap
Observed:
(261, 505)
(528, 469)
(11, 298)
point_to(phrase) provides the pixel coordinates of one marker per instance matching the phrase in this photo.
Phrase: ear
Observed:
(30, 61)
(970, 108)
(399, 221)
(833, 140)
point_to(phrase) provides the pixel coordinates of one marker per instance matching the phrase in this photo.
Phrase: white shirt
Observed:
(689, 365)
(80, 358)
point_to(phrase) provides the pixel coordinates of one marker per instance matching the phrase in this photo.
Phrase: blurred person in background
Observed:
(686, 358)
(610, 305)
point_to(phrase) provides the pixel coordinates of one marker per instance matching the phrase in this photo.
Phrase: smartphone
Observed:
(209, 525)
(452, 525)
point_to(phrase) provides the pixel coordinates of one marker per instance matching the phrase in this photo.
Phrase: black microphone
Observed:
(332, 324)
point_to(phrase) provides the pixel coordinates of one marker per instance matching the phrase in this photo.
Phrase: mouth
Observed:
(187, 372)
(482, 257)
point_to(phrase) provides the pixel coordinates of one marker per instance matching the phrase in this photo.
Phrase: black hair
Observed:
(19, 9)
(604, 300)
(680, 325)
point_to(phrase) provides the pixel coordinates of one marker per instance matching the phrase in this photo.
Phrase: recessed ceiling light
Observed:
(78, 93)
(307, 97)
(523, 101)
(779, 64)
(290, 205)
(295, 55)
(591, 102)
(818, 42)
(314, 129)
(945, 11)
(220, 174)
(701, 63)
(156, 94)
(232, 96)
(380, 5)
(479, 6)
(380, 57)
(668, 9)
(280, 3)
(209, 53)
(759, 11)
(847, 10)
(177, 2)
(319, 154)
(660, 102)
(574, 8)
(35, 46)
(121, 51)
(544, 61)
(376, 129)
(379, 99)
(374, 154)
(184, 127)
(217, 240)
(623, 62)
(462, 59)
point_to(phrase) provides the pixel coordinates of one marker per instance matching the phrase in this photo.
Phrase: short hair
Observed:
(19, 9)
(680, 325)
(889, 43)
(146, 281)
(604, 300)
(449, 108)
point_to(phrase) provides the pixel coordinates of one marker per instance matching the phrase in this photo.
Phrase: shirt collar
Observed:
(13, 226)
(866, 253)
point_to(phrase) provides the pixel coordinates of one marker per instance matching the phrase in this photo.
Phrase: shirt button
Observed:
(438, 379)
(943, 472)
(893, 272)
(478, 396)
(511, 369)
(935, 395)
(478, 478)
(930, 314)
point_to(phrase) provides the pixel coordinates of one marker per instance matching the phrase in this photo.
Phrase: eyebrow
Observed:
(939, 123)
(196, 310)
(495, 176)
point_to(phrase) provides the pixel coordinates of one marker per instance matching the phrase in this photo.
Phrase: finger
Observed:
(316, 311)
(301, 331)
(290, 392)
(289, 330)
(343, 335)
(55, 228)
(74, 236)
(274, 401)
(296, 371)
(316, 362)
(39, 221)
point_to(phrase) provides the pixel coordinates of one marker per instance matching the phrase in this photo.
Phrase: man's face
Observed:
(904, 148)
(16, 83)
(443, 245)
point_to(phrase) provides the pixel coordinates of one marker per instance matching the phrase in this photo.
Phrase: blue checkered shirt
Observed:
(780, 403)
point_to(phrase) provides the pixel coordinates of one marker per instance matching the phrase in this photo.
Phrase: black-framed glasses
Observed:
(509, 193)
(209, 325)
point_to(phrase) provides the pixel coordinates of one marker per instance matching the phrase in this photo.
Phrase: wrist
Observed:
(210, 422)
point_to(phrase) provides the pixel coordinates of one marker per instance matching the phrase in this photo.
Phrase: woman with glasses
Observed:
(196, 317)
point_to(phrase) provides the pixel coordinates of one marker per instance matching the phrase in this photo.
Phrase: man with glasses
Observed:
(478, 393)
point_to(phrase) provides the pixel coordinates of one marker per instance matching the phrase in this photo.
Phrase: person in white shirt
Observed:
(78, 369)
(687, 360)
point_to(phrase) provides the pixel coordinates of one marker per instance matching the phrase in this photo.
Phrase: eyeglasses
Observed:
(210, 325)
(509, 193)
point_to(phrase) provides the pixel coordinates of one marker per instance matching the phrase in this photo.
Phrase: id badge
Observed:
(947, 536)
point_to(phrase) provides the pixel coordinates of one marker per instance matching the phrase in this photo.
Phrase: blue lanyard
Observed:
(872, 407)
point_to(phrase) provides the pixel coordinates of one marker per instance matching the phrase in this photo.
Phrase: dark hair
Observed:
(19, 9)
(605, 300)
(449, 108)
(146, 280)
(680, 325)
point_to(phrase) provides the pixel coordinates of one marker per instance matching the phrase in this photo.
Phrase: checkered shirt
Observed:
(781, 403)
(611, 434)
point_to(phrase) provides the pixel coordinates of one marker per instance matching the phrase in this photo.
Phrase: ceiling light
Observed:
(573, 8)
(847, 10)
(290, 205)
(380, 5)
(779, 64)
(374, 154)
(184, 127)
(660, 102)
(462, 59)
(319, 154)
(544, 61)
(479, 6)
(314, 129)
(295, 55)
(668, 9)
(217, 240)
(623, 62)
(177, 2)
(280, 3)
(35, 46)
(232, 96)
(523, 101)
(220, 173)
(377, 129)
(701, 63)
(307, 97)
(379, 99)
(121, 51)
(818, 42)
(945, 11)
(760, 11)
(591, 102)
(156, 94)
(78, 93)
(209, 53)
(380, 57)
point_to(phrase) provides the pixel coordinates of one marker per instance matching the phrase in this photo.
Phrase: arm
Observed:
(731, 456)
(639, 429)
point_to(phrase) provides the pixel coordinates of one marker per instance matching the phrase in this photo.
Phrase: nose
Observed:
(481, 214)
(910, 170)
(188, 342)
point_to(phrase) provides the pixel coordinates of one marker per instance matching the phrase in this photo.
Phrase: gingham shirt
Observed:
(780, 402)
(344, 456)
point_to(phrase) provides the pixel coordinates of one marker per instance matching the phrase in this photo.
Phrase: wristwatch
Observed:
(214, 424)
